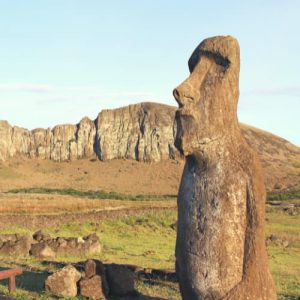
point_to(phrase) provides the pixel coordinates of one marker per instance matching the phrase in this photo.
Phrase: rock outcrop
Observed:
(63, 282)
(143, 132)
(44, 247)
(62, 143)
(220, 245)
(15, 245)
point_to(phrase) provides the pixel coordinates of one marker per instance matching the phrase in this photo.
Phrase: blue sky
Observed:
(65, 59)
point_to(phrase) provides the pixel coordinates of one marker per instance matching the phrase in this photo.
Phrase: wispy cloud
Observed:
(24, 87)
(91, 92)
(128, 94)
(292, 91)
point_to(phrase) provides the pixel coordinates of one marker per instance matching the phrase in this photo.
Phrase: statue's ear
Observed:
(217, 57)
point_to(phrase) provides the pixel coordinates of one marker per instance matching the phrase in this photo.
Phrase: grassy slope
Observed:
(285, 262)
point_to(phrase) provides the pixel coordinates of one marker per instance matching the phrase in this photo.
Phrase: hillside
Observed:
(142, 132)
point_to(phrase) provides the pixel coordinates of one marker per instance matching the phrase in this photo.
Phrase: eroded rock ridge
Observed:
(143, 132)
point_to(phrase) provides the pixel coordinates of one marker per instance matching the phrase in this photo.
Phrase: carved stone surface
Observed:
(220, 248)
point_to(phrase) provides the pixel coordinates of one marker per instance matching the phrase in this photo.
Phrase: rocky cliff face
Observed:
(143, 132)
(63, 142)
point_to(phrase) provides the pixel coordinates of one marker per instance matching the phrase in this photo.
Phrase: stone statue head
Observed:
(208, 98)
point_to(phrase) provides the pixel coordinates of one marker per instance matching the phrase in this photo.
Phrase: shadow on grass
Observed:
(32, 281)
(288, 297)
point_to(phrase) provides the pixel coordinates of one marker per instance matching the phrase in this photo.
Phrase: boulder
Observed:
(90, 268)
(19, 247)
(42, 251)
(120, 280)
(41, 236)
(276, 240)
(94, 247)
(91, 288)
(9, 237)
(63, 282)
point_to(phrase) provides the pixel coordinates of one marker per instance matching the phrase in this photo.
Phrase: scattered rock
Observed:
(9, 237)
(43, 246)
(63, 282)
(290, 210)
(277, 186)
(120, 280)
(90, 268)
(19, 247)
(41, 236)
(71, 245)
(92, 237)
(276, 240)
(42, 251)
(91, 288)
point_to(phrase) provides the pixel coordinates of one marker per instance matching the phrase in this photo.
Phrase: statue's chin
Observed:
(178, 144)
(181, 146)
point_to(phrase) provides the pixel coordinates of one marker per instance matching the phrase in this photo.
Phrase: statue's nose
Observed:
(178, 97)
(182, 95)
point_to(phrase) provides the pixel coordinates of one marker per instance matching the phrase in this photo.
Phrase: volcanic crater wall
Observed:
(143, 132)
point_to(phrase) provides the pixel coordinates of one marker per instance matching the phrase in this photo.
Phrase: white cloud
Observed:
(24, 87)
(128, 94)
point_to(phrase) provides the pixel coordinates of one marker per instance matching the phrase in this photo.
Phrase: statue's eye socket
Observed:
(218, 58)
(221, 61)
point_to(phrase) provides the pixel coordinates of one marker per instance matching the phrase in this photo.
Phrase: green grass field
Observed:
(271, 196)
(91, 194)
(149, 240)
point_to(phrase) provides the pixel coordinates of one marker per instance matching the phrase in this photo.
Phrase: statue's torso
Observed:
(211, 228)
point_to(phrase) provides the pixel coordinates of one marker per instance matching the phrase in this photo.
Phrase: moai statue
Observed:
(220, 247)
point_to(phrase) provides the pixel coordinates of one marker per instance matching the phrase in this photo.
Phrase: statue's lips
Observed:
(184, 121)
(181, 112)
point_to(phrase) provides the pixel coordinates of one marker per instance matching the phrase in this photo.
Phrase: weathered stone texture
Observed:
(91, 288)
(41, 245)
(63, 282)
(143, 132)
(86, 138)
(220, 246)
(62, 143)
